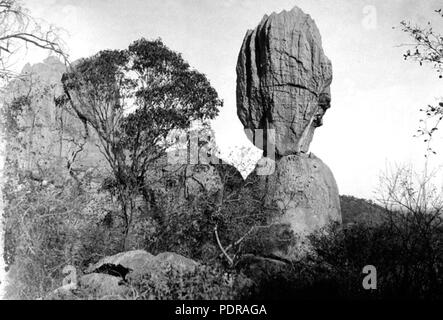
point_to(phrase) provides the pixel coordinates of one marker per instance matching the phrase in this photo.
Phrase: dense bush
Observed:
(199, 226)
(48, 228)
(409, 264)
(205, 283)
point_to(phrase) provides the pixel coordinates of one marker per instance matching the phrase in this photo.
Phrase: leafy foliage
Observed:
(205, 283)
(166, 95)
(408, 265)
(427, 49)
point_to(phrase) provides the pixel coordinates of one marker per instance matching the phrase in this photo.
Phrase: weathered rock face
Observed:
(46, 136)
(192, 171)
(283, 80)
(303, 188)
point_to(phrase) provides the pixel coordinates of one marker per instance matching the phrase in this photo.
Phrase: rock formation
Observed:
(49, 137)
(108, 277)
(303, 189)
(191, 171)
(140, 262)
(283, 80)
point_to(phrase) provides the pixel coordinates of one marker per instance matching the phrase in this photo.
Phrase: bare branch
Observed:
(230, 260)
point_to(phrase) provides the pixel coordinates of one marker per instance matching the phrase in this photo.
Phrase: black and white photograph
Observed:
(242, 151)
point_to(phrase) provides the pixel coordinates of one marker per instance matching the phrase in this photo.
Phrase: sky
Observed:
(376, 95)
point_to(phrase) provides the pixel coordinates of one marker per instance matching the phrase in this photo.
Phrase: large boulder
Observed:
(303, 191)
(191, 169)
(177, 181)
(110, 277)
(103, 285)
(283, 80)
(131, 260)
(135, 263)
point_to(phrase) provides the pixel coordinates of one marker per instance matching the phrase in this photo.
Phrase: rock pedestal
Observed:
(283, 91)
(304, 190)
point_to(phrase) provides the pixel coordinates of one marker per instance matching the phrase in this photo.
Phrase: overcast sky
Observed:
(376, 95)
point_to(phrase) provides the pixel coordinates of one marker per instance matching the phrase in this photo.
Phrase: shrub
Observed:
(204, 283)
(47, 229)
(409, 265)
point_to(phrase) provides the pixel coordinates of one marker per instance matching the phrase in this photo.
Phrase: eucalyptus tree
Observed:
(132, 100)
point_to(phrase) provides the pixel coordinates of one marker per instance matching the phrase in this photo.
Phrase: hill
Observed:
(357, 210)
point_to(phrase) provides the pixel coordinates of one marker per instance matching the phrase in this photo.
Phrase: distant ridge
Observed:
(358, 210)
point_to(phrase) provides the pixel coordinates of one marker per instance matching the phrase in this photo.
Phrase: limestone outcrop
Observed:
(283, 80)
(283, 88)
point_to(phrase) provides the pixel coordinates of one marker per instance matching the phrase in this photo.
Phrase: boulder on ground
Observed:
(134, 263)
(103, 285)
(110, 278)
